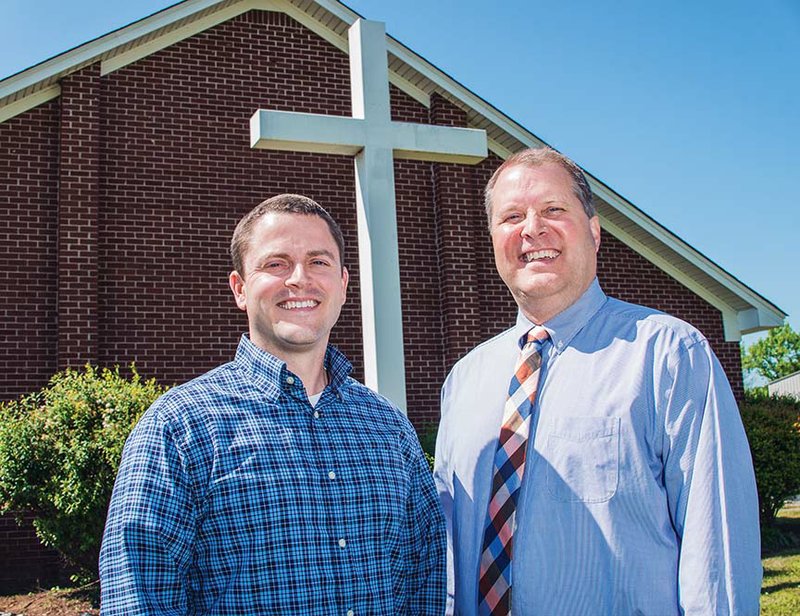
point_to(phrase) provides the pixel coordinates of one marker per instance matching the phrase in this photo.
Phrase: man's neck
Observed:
(311, 371)
(308, 364)
(540, 312)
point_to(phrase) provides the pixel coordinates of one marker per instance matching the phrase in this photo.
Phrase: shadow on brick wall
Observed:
(25, 564)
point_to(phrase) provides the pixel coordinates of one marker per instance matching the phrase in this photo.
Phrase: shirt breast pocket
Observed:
(582, 454)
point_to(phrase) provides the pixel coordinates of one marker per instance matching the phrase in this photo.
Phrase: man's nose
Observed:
(533, 225)
(297, 277)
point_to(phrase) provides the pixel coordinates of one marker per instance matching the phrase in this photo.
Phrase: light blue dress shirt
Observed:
(638, 495)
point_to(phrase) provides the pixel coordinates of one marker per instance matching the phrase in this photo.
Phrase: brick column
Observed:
(78, 200)
(456, 202)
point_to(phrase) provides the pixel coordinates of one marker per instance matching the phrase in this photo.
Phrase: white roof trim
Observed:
(783, 378)
(89, 52)
(29, 102)
(123, 59)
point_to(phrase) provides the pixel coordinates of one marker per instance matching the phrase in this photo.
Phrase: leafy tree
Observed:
(773, 430)
(776, 355)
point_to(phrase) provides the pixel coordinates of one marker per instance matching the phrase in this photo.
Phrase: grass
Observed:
(780, 590)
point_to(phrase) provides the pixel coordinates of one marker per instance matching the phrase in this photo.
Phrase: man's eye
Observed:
(321, 262)
(512, 217)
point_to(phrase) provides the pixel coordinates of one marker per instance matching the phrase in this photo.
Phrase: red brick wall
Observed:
(120, 197)
(457, 196)
(178, 172)
(24, 563)
(78, 205)
(28, 246)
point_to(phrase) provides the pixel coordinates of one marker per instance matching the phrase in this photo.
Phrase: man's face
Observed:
(545, 246)
(293, 285)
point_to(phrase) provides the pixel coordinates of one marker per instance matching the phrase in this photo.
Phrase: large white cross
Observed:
(374, 140)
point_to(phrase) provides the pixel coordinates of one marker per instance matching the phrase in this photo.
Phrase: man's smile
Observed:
(540, 255)
(298, 304)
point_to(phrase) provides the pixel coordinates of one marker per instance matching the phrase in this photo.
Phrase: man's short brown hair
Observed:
(280, 204)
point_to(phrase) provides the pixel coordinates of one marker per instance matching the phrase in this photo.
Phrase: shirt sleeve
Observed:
(147, 540)
(711, 491)
(444, 486)
(427, 577)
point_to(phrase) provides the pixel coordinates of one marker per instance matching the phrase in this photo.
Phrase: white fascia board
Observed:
(29, 102)
(216, 18)
(345, 13)
(340, 42)
(664, 265)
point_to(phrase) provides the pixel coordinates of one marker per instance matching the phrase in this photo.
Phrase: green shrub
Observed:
(59, 453)
(427, 439)
(773, 429)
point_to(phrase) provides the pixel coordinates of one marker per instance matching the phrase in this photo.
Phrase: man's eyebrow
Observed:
(272, 255)
(322, 253)
(260, 260)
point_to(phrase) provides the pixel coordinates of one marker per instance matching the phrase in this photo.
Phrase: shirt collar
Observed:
(566, 324)
(271, 374)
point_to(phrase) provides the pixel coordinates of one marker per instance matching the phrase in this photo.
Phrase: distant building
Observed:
(786, 386)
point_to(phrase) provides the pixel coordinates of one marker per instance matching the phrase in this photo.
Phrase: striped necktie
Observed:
(494, 584)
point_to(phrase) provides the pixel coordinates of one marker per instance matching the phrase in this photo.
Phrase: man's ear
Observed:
(236, 282)
(594, 226)
(345, 280)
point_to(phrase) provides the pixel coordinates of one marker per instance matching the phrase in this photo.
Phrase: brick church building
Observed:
(125, 164)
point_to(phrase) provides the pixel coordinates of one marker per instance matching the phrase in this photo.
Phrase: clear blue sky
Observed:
(691, 110)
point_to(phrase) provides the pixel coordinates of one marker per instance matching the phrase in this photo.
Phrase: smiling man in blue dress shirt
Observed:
(638, 494)
(276, 484)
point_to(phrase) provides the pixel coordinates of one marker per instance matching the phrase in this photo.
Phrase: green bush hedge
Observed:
(59, 453)
(773, 429)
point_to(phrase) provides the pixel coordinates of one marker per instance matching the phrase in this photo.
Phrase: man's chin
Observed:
(297, 337)
(536, 285)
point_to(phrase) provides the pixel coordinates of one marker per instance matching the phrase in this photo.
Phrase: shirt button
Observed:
(342, 543)
(331, 475)
(290, 380)
(351, 613)
(316, 414)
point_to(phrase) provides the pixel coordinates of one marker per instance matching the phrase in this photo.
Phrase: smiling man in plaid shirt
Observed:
(276, 483)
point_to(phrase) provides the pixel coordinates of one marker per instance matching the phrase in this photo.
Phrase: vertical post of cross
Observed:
(375, 141)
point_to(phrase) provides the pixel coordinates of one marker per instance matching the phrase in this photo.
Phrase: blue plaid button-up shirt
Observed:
(236, 496)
